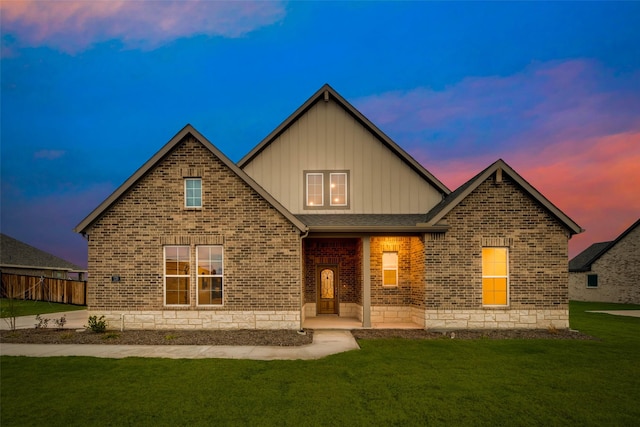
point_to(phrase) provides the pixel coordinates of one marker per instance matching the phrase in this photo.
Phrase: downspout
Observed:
(302, 237)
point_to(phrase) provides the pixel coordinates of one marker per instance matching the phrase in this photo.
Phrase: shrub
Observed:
(97, 325)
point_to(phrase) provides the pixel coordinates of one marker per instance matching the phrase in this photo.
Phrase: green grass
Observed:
(31, 308)
(387, 382)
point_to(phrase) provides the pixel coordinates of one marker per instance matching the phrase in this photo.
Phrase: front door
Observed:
(327, 280)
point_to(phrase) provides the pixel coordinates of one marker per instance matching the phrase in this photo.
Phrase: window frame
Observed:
(488, 276)
(590, 282)
(346, 188)
(387, 267)
(198, 276)
(186, 192)
(306, 193)
(187, 276)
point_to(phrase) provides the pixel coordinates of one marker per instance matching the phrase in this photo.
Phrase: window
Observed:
(494, 276)
(193, 192)
(592, 280)
(390, 269)
(338, 189)
(323, 186)
(176, 275)
(209, 275)
(315, 189)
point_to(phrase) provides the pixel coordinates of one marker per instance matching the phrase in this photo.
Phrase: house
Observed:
(17, 257)
(327, 216)
(608, 271)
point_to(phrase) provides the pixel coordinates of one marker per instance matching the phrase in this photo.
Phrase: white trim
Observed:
(346, 189)
(186, 197)
(393, 266)
(198, 275)
(165, 275)
(321, 184)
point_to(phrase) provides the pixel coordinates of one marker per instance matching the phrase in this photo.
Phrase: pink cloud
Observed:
(73, 26)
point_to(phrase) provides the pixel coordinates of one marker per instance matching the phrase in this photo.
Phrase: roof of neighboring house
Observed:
(17, 254)
(452, 200)
(368, 223)
(584, 260)
(327, 92)
(156, 158)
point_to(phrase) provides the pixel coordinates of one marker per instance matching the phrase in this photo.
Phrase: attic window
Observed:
(193, 192)
(326, 189)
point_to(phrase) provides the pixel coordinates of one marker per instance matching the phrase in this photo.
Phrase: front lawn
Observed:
(31, 308)
(387, 382)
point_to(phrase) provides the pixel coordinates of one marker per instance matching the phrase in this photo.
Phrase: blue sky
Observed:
(91, 90)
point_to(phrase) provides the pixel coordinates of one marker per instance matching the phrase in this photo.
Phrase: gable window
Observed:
(390, 269)
(326, 189)
(338, 189)
(315, 189)
(209, 275)
(495, 276)
(592, 280)
(193, 192)
(176, 275)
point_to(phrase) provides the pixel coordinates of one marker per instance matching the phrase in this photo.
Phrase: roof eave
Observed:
(377, 229)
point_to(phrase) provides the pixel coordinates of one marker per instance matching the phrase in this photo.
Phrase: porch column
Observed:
(366, 282)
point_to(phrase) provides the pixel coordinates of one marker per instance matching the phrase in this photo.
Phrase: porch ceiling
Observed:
(368, 223)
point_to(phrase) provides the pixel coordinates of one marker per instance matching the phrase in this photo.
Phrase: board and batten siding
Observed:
(328, 138)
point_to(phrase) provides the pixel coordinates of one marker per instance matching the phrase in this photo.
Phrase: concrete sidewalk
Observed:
(325, 343)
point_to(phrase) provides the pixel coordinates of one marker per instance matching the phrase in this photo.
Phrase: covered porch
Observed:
(333, 321)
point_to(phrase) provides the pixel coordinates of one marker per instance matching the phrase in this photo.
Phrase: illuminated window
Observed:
(209, 274)
(390, 269)
(193, 192)
(338, 189)
(176, 275)
(315, 189)
(495, 276)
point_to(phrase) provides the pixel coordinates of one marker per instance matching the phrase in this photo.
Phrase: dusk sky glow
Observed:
(90, 90)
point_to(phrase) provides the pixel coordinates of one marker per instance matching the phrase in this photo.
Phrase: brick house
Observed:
(327, 216)
(608, 271)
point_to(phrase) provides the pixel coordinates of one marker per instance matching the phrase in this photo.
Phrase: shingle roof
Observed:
(367, 222)
(19, 254)
(584, 260)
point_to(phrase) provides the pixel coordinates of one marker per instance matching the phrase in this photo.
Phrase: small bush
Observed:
(60, 322)
(43, 322)
(97, 325)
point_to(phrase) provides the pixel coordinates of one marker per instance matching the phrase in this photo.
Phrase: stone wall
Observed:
(618, 273)
(261, 247)
(497, 214)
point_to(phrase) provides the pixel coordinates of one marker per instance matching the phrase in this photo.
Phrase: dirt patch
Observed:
(494, 334)
(284, 338)
(154, 337)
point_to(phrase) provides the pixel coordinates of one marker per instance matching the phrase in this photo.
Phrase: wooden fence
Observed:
(43, 289)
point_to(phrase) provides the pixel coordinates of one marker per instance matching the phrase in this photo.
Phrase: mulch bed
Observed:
(261, 337)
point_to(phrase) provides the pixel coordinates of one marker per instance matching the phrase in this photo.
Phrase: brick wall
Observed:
(499, 214)
(618, 273)
(261, 247)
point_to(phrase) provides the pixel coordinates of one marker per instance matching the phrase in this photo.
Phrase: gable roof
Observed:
(326, 92)
(584, 260)
(18, 254)
(453, 199)
(156, 158)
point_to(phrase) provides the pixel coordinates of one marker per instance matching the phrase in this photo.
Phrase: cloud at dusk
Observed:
(73, 26)
(572, 129)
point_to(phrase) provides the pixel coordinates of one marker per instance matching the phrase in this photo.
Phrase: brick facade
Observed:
(618, 272)
(497, 214)
(261, 247)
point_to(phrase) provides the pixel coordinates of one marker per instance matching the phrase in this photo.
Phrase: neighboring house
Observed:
(326, 216)
(17, 257)
(608, 271)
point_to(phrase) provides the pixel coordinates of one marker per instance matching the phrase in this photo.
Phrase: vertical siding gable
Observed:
(326, 137)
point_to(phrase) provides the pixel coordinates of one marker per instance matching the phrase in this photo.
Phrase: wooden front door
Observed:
(327, 280)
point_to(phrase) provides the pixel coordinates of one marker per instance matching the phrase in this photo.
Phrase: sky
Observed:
(90, 90)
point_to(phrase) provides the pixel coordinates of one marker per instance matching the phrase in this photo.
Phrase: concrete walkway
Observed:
(630, 313)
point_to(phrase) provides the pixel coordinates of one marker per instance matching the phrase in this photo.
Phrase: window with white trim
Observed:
(389, 268)
(315, 189)
(176, 275)
(209, 275)
(495, 276)
(338, 189)
(193, 192)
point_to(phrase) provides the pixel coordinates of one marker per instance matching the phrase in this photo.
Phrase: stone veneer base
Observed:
(496, 319)
(193, 319)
